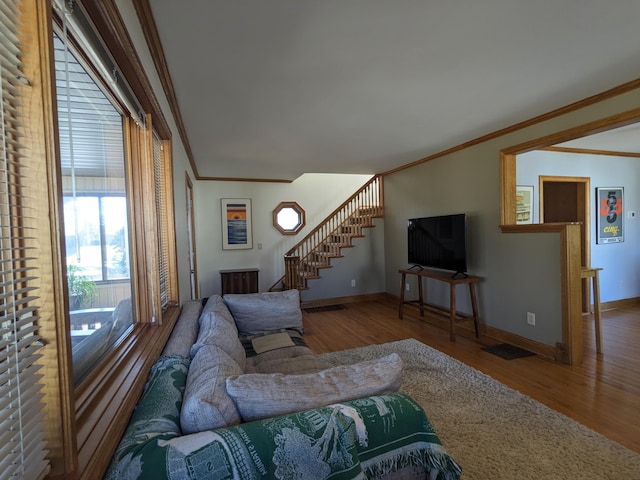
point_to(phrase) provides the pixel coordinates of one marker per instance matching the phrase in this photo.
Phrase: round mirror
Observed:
(288, 218)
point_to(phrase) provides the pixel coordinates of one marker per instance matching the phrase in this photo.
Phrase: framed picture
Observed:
(609, 216)
(524, 204)
(236, 223)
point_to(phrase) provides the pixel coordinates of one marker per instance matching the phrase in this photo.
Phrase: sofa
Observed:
(237, 393)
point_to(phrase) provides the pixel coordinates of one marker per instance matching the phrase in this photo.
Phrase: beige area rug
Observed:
(493, 431)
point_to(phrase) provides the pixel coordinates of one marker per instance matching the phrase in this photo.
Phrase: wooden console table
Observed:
(453, 281)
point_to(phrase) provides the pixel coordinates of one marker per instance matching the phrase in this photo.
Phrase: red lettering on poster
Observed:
(607, 207)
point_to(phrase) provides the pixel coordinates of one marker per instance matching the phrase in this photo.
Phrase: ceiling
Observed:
(273, 89)
(624, 139)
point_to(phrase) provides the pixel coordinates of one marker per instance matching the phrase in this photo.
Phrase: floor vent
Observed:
(326, 308)
(507, 351)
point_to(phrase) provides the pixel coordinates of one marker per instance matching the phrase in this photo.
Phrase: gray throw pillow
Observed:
(256, 313)
(206, 404)
(301, 364)
(260, 396)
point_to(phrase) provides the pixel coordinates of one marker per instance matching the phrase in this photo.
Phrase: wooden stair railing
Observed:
(315, 251)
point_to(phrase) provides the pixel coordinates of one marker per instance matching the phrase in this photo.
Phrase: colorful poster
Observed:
(610, 227)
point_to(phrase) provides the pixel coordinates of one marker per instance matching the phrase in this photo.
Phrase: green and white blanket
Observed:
(364, 438)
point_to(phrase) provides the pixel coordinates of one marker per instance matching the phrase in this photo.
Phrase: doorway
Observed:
(566, 199)
(191, 239)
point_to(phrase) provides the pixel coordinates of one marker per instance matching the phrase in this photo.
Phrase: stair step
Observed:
(363, 222)
(339, 245)
(340, 237)
(326, 255)
(369, 210)
(336, 245)
(329, 257)
(315, 266)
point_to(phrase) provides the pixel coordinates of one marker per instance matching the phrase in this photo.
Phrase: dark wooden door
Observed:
(560, 203)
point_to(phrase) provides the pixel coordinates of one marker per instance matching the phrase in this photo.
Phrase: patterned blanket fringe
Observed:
(431, 457)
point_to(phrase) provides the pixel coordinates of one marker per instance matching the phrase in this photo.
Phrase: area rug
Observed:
(493, 431)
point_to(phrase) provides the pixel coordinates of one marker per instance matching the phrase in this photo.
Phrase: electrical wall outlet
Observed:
(531, 318)
(353, 282)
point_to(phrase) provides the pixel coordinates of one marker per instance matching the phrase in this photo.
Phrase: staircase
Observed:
(304, 261)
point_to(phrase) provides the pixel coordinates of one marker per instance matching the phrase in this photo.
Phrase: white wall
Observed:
(180, 159)
(521, 272)
(620, 278)
(513, 277)
(319, 195)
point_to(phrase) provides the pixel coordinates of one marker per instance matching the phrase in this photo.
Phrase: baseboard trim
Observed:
(488, 334)
(323, 302)
(502, 336)
(624, 303)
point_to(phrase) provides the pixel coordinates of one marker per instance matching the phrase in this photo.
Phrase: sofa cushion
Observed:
(256, 313)
(298, 359)
(289, 365)
(260, 396)
(215, 330)
(206, 404)
(215, 305)
(185, 332)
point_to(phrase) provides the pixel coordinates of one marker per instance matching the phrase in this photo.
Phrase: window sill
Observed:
(106, 399)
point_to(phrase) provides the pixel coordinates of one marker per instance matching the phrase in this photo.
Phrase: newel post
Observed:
(291, 269)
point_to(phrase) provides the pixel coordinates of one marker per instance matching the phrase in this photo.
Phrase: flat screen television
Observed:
(438, 242)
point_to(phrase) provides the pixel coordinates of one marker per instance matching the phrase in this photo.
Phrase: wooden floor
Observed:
(603, 393)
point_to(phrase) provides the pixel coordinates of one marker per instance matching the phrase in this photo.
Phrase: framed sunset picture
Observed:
(236, 223)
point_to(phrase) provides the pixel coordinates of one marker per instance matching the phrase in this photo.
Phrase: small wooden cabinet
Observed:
(239, 281)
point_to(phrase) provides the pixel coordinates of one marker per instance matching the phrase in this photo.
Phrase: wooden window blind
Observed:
(22, 444)
(161, 217)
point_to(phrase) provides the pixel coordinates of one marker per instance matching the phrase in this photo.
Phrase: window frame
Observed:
(290, 206)
(104, 277)
(92, 417)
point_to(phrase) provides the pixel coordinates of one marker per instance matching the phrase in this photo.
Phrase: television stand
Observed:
(453, 282)
(462, 274)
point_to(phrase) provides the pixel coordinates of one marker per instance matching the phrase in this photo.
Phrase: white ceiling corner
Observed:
(273, 89)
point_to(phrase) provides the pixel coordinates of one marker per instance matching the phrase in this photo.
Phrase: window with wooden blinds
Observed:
(161, 219)
(22, 444)
(163, 190)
